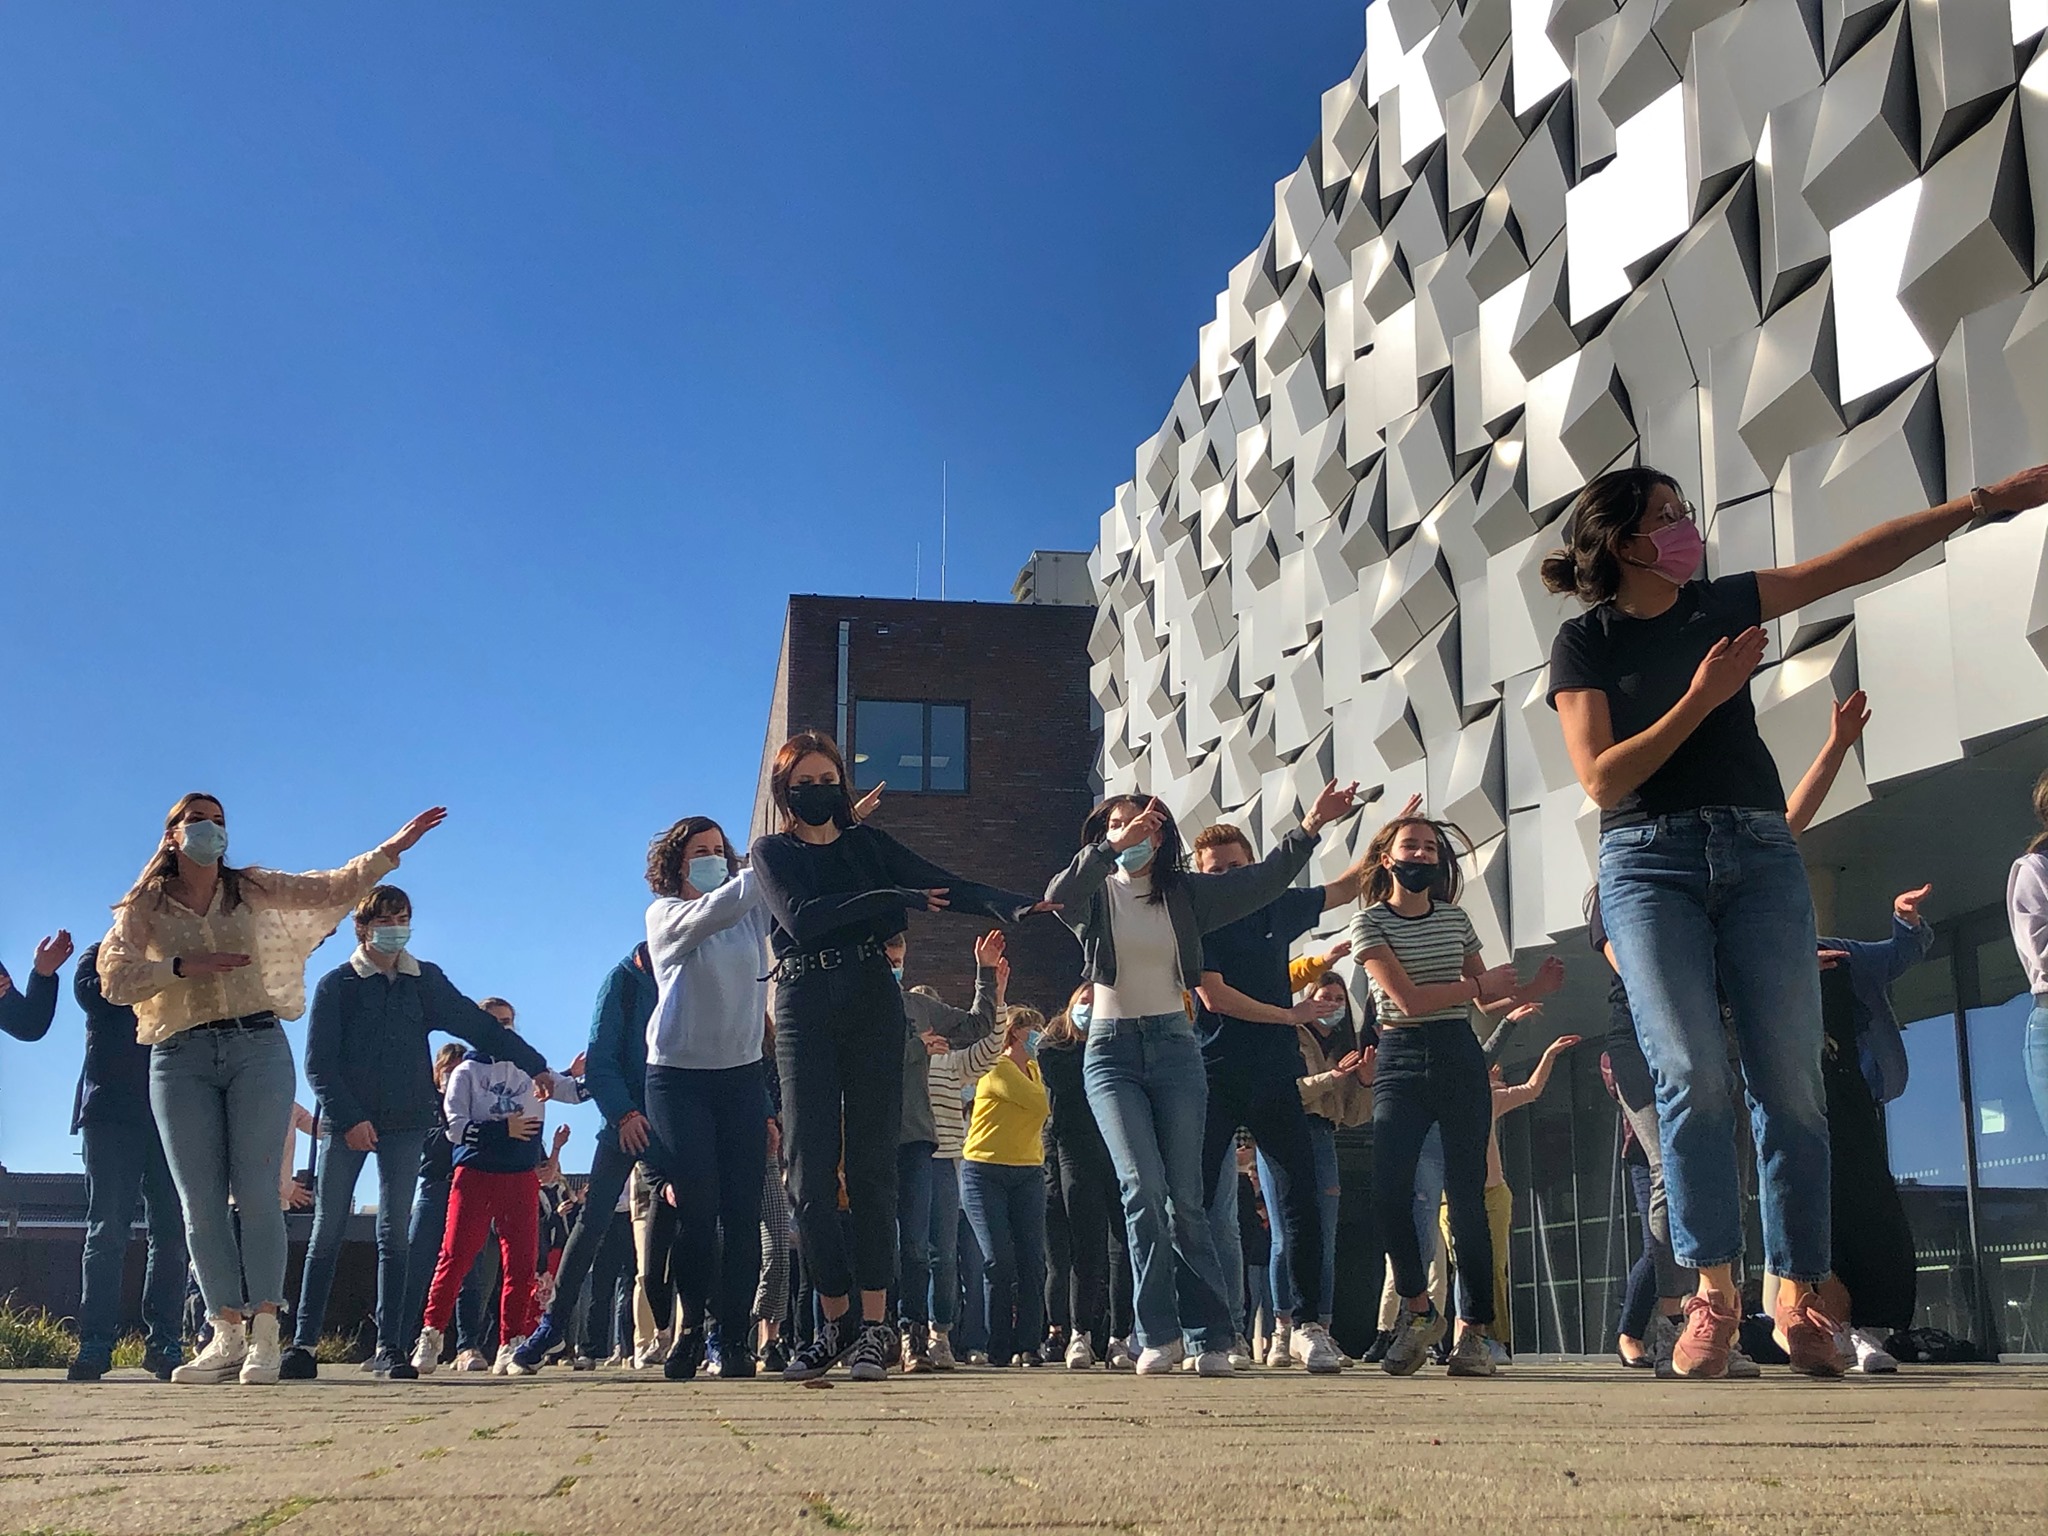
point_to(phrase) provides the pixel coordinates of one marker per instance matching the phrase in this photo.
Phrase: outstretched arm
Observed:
(1344, 890)
(1850, 717)
(1881, 550)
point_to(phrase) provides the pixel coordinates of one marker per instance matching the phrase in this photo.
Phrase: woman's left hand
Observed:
(56, 949)
(403, 839)
(2016, 493)
(1334, 803)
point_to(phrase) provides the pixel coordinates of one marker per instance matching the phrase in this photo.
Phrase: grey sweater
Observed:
(1198, 903)
(927, 1015)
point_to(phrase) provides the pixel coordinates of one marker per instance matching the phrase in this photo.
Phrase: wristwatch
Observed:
(1980, 502)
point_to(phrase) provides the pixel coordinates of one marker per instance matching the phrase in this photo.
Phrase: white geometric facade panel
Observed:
(1784, 250)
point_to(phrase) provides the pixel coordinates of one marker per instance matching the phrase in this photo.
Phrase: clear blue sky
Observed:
(408, 404)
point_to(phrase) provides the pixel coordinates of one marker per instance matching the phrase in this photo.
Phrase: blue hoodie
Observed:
(484, 1093)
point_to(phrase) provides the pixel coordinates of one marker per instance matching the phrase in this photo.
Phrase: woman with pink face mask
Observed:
(1700, 879)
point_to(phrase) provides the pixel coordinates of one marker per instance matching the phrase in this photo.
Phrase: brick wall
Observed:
(1023, 671)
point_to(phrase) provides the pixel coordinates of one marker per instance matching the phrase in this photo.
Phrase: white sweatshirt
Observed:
(2026, 905)
(710, 968)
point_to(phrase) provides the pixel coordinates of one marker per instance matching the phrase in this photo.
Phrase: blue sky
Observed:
(404, 405)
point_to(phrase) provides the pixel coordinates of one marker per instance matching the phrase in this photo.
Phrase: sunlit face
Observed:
(1331, 991)
(1223, 856)
(814, 768)
(1415, 843)
(204, 810)
(1662, 509)
(708, 844)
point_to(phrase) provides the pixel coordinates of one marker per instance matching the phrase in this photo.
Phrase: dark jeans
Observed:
(608, 1320)
(337, 1167)
(914, 1230)
(609, 1169)
(1873, 1242)
(839, 1048)
(1007, 1208)
(1433, 1074)
(1080, 1180)
(125, 1160)
(711, 1142)
(1059, 1256)
(1640, 1299)
(1270, 1108)
(973, 1332)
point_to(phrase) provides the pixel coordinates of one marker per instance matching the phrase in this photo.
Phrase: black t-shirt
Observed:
(1644, 666)
(1251, 954)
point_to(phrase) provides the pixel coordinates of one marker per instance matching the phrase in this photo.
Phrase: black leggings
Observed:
(1269, 1106)
(1433, 1074)
(1873, 1242)
(1081, 1184)
(839, 1047)
(710, 1139)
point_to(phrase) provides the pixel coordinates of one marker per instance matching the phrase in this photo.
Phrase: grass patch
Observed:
(562, 1486)
(489, 1432)
(435, 1454)
(272, 1517)
(833, 1519)
(584, 1460)
(211, 1469)
(32, 1340)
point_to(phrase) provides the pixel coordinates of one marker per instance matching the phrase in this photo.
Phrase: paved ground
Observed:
(1556, 1447)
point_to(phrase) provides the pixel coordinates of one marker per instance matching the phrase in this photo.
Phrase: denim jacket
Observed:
(1873, 967)
(1198, 903)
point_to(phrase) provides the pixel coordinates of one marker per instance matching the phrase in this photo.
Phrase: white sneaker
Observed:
(1281, 1352)
(1502, 1355)
(1242, 1355)
(508, 1359)
(1214, 1362)
(426, 1354)
(1310, 1346)
(472, 1360)
(260, 1365)
(503, 1365)
(655, 1354)
(1162, 1361)
(1119, 1357)
(1872, 1358)
(1080, 1354)
(220, 1360)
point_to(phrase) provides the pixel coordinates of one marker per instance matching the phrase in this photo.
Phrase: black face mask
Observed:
(816, 804)
(1414, 875)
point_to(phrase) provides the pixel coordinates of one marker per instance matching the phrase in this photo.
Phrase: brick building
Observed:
(978, 717)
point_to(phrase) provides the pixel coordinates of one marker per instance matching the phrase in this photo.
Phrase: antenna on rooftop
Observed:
(942, 530)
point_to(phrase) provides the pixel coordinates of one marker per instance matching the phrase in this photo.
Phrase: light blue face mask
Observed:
(1031, 1040)
(203, 841)
(390, 938)
(1080, 1014)
(708, 871)
(897, 972)
(1136, 857)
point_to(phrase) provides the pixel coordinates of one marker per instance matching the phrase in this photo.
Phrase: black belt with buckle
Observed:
(846, 956)
(246, 1021)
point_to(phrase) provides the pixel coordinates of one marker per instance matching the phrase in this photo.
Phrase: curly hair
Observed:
(665, 861)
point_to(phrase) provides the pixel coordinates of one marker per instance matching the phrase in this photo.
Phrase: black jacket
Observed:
(113, 1085)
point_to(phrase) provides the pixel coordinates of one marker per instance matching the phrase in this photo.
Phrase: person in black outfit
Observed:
(1081, 1186)
(26, 1015)
(838, 890)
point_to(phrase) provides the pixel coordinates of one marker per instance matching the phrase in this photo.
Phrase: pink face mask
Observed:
(1679, 551)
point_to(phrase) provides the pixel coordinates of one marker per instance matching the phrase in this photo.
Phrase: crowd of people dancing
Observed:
(808, 1162)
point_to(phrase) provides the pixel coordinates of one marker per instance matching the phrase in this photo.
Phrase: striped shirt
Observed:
(947, 1080)
(1432, 949)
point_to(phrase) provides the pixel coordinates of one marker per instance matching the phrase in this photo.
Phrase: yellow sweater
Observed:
(1010, 1110)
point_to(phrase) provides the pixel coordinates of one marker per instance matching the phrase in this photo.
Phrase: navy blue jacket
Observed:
(25, 1012)
(367, 1055)
(615, 1062)
(113, 1086)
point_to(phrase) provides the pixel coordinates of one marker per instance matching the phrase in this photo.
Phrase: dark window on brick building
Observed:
(915, 747)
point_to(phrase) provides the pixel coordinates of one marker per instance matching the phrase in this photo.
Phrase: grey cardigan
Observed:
(927, 1015)
(1198, 904)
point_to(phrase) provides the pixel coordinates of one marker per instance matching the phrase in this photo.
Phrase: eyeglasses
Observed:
(1672, 513)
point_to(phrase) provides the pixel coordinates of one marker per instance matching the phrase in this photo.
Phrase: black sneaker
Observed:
(736, 1362)
(828, 1346)
(1376, 1351)
(1054, 1350)
(775, 1358)
(298, 1364)
(685, 1356)
(875, 1349)
(390, 1367)
(160, 1366)
(86, 1368)
(917, 1347)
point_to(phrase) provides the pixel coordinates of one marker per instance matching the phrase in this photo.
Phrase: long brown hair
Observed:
(1379, 880)
(162, 867)
(1167, 870)
(2040, 842)
(1059, 1029)
(1607, 511)
(665, 854)
(794, 751)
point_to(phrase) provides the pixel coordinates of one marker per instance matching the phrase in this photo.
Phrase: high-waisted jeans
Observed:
(1720, 896)
(1151, 1097)
(223, 1101)
(1433, 1074)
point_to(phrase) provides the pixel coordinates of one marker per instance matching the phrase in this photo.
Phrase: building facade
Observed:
(978, 718)
(1787, 253)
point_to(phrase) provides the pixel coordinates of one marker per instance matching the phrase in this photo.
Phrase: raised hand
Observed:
(53, 952)
(864, 807)
(576, 1066)
(1905, 906)
(1548, 978)
(1849, 719)
(1412, 808)
(1562, 1044)
(1002, 980)
(1338, 951)
(1349, 1061)
(561, 1138)
(1497, 983)
(2016, 493)
(1140, 828)
(403, 839)
(989, 948)
(1726, 669)
(1335, 803)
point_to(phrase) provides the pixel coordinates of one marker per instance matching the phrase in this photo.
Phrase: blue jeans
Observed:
(334, 1188)
(1720, 896)
(610, 1167)
(223, 1101)
(1151, 1098)
(2037, 1059)
(1006, 1205)
(124, 1160)
(944, 1229)
(974, 1309)
(1221, 1213)
(1639, 1299)
(1429, 1192)
(1322, 1141)
(914, 1231)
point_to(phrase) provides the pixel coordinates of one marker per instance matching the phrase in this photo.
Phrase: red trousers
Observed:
(475, 1201)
